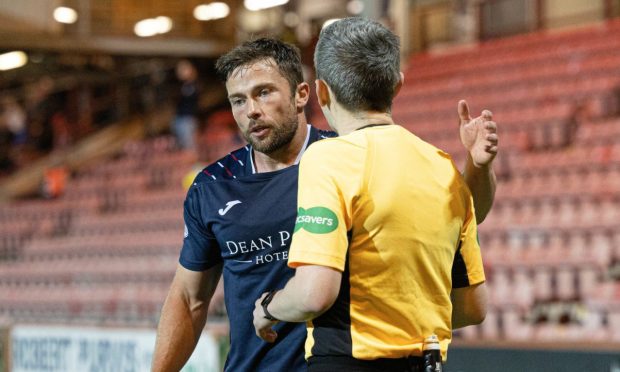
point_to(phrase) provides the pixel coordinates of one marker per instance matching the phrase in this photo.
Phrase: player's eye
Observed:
(237, 102)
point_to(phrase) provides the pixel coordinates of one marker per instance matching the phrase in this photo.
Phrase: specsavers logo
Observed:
(316, 220)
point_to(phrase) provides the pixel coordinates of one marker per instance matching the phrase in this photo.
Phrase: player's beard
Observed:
(281, 135)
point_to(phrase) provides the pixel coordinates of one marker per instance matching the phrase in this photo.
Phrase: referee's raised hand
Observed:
(479, 135)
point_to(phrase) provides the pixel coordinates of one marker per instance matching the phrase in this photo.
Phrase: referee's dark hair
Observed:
(360, 61)
(285, 55)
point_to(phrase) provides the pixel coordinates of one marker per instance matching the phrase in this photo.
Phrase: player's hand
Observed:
(479, 135)
(262, 325)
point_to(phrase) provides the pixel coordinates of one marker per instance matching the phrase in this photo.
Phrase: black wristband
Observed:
(266, 301)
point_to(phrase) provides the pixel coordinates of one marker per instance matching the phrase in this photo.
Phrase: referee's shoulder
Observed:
(328, 149)
(428, 147)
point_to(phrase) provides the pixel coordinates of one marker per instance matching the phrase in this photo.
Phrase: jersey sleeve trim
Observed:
(315, 258)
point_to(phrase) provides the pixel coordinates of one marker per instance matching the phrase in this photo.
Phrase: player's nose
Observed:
(253, 110)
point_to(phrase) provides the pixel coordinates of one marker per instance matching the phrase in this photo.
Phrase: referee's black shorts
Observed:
(350, 364)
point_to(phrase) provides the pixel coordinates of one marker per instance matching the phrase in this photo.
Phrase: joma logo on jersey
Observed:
(317, 220)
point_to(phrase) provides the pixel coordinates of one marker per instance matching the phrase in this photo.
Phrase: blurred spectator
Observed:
(12, 133)
(6, 139)
(107, 108)
(185, 121)
(14, 119)
(61, 130)
(39, 109)
(54, 182)
(151, 89)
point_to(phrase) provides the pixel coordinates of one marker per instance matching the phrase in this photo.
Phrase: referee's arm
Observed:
(482, 183)
(469, 305)
(309, 293)
(479, 137)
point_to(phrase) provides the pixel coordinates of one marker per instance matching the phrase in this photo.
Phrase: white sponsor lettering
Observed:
(284, 237)
(228, 244)
(236, 248)
(243, 247)
(264, 242)
(271, 257)
(253, 246)
(316, 220)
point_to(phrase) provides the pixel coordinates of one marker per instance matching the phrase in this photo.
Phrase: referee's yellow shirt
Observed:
(394, 215)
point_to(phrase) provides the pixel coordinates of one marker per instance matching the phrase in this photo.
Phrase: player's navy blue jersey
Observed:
(246, 221)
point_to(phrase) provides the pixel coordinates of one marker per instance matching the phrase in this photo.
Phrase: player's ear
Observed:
(302, 94)
(322, 93)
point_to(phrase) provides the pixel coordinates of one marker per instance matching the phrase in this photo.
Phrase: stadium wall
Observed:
(489, 359)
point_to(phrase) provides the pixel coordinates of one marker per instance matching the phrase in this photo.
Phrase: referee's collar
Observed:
(372, 125)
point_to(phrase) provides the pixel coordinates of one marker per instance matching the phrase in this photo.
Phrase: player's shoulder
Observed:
(234, 165)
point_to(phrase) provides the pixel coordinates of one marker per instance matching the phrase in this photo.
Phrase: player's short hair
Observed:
(360, 61)
(285, 55)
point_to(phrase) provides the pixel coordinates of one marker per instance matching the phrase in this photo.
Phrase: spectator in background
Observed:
(185, 120)
(61, 130)
(151, 96)
(6, 140)
(54, 182)
(40, 107)
(14, 119)
(13, 133)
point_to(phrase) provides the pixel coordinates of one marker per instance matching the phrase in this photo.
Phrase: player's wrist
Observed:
(265, 302)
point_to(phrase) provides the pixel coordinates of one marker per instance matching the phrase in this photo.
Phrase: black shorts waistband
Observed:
(349, 364)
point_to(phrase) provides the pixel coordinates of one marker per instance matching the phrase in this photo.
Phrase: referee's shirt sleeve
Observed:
(468, 268)
(200, 249)
(328, 181)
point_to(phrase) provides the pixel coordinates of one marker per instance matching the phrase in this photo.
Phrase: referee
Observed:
(385, 246)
